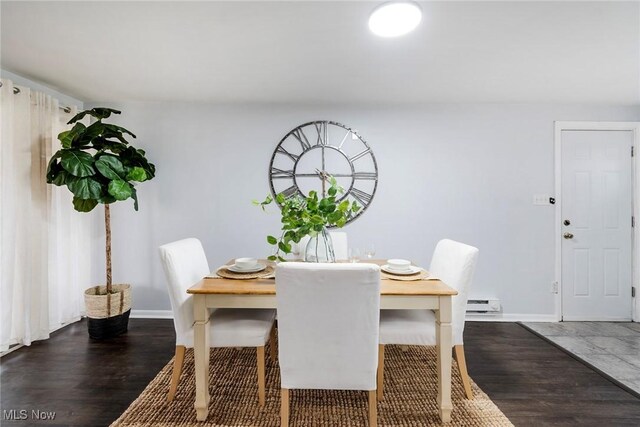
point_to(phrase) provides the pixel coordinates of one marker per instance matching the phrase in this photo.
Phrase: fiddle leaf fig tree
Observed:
(99, 166)
(308, 216)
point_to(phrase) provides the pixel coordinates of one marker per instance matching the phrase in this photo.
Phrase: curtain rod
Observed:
(16, 90)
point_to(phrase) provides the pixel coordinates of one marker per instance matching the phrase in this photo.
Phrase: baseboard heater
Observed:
(483, 306)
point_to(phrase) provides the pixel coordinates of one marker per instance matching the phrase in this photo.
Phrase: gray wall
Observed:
(466, 172)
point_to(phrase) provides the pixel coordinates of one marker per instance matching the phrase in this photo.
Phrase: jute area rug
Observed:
(409, 396)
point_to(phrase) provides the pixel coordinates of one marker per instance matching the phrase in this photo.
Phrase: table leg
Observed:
(201, 354)
(444, 345)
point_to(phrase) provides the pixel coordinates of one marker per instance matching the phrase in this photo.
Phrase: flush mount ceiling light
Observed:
(395, 19)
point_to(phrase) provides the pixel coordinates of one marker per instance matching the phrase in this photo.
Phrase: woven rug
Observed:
(409, 396)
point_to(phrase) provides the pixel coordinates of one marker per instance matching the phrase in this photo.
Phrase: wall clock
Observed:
(312, 151)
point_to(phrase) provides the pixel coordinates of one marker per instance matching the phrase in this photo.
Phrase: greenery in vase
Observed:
(307, 216)
(97, 164)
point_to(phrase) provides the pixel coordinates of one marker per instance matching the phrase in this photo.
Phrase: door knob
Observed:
(568, 236)
(567, 222)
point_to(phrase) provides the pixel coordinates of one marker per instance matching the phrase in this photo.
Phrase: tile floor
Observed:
(611, 347)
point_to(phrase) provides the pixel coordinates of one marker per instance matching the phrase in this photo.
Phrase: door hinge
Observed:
(633, 221)
(633, 292)
(632, 151)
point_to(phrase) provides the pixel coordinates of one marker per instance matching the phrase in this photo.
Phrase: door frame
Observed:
(633, 127)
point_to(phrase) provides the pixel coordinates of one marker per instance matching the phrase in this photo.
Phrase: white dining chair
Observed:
(328, 320)
(454, 264)
(339, 241)
(185, 264)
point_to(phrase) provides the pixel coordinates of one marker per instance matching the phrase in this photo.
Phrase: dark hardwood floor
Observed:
(89, 383)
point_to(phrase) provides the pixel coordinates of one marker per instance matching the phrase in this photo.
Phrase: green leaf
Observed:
(137, 174)
(60, 178)
(84, 205)
(332, 191)
(107, 198)
(335, 216)
(120, 189)
(78, 163)
(317, 219)
(134, 196)
(284, 247)
(54, 168)
(115, 129)
(65, 138)
(272, 240)
(85, 188)
(102, 144)
(341, 222)
(281, 259)
(110, 167)
(98, 112)
(272, 258)
(343, 206)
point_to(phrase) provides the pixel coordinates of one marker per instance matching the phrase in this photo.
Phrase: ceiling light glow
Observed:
(395, 18)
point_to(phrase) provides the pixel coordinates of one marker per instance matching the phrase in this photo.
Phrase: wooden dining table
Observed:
(421, 294)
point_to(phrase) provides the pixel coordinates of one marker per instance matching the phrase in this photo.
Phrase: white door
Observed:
(597, 208)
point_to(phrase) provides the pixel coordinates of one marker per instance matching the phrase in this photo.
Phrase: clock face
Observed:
(312, 151)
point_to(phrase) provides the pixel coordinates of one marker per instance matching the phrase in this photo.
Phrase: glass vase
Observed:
(320, 248)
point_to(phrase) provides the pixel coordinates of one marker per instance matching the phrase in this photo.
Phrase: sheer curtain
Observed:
(44, 244)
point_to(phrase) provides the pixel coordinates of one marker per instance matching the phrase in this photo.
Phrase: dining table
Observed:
(217, 292)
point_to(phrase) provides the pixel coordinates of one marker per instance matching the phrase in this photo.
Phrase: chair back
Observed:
(454, 263)
(184, 263)
(328, 325)
(340, 245)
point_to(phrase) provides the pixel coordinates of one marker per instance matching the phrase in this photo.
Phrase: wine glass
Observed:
(370, 251)
(354, 254)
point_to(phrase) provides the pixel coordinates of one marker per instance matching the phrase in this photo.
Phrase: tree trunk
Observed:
(107, 226)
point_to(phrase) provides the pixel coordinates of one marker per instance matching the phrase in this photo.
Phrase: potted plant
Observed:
(99, 166)
(310, 216)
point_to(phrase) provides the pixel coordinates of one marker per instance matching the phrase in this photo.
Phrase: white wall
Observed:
(466, 172)
(65, 100)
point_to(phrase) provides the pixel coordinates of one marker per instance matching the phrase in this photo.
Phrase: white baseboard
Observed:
(502, 317)
(151, 314)
(498, 317)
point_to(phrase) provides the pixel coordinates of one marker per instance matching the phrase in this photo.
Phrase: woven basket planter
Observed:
(108, 315)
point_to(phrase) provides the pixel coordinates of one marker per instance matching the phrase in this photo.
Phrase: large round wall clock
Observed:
(311, 152)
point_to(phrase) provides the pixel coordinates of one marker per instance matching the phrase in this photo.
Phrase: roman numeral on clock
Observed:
(282, 150)
(291, 191)
(321, 128)
(365, 175)
(359, 155)
(361, 196)
(280, 174)
(302, 138)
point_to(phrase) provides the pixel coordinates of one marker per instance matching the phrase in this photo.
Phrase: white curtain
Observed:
(44, 244)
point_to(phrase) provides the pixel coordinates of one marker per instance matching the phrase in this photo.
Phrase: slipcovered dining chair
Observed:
(328, 320)
(185, 264)
(340, 245)
(454, 264)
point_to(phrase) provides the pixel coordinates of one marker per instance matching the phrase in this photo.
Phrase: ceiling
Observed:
(322, 52)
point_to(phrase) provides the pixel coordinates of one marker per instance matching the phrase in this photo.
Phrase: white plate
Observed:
(411, 270)
(255, 269)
